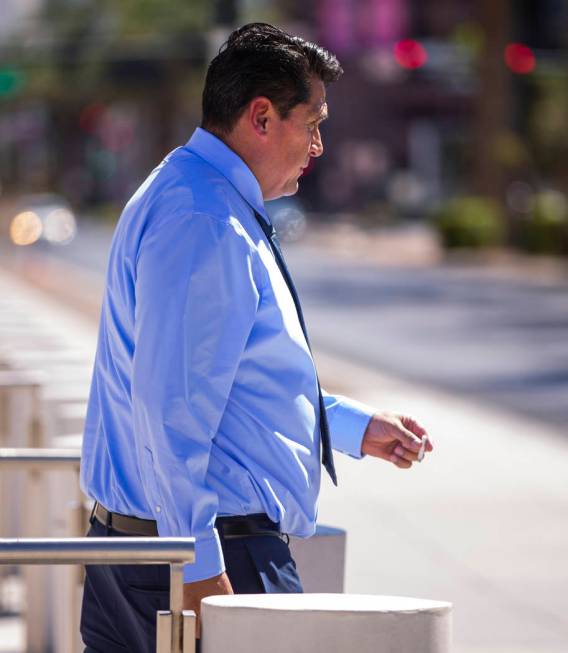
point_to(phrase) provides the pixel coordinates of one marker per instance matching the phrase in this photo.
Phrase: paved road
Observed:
(499, 341)
(502, 342)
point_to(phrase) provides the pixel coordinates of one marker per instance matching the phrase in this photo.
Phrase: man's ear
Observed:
(260, 113)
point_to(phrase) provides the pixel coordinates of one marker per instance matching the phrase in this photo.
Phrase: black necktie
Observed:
(327, 453)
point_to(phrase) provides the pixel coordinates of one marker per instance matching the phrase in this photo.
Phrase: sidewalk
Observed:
(416, 245)
(479, 523)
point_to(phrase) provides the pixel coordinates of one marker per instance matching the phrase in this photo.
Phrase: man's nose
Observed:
(316, 147)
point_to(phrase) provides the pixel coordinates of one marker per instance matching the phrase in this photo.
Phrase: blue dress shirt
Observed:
(204, 398)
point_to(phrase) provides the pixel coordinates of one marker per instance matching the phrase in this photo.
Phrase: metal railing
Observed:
(35, 459)
(35, 462)
(175, 627)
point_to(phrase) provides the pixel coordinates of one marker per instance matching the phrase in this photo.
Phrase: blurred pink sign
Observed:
(351, 25)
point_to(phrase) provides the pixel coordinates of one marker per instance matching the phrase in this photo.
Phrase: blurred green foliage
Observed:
(548, 123)
(545, 228)
(79, 40)
(145, 16)
(128, 18)
(470, 222)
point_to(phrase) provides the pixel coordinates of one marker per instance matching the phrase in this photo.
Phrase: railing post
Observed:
(39, 625)
(176, 605)
(116, 551)
(189, 621)
(164, 629)
(74, 577)
(18, 390)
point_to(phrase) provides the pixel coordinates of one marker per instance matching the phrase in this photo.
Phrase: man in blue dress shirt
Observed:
(206, 418)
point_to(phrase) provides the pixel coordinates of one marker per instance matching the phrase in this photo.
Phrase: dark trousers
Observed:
(120, 601)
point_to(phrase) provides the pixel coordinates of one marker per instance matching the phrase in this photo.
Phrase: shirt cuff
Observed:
(348, 420)
(209, 559)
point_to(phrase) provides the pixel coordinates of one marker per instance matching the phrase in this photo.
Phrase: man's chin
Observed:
(290, 189)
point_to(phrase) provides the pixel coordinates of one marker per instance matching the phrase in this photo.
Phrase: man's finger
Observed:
(408, 439)
(406, 454)
(400, 462)
(413, 426)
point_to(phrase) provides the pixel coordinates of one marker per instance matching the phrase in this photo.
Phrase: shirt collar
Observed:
(230, 165)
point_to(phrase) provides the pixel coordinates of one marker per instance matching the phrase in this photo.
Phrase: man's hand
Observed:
(395, 438)
(194, 592)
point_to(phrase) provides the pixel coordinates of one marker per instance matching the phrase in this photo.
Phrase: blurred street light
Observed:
(59, 226)
(45, 217)
(25, 228)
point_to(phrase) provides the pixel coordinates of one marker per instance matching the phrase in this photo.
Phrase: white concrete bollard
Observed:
(324, 623)
(320, 559)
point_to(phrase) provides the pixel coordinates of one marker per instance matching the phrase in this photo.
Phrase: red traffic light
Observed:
(410, 54)
(91, 116)
(520, 58)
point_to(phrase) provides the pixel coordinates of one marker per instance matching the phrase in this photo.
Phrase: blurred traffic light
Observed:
(410, 54)
(11, 81)
(90, 117)
(520, 58)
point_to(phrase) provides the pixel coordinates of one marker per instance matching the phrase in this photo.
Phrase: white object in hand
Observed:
(422, 448)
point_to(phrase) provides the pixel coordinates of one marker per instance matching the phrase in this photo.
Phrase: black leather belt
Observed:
(228, 527)
(123, 523)
(246, 526)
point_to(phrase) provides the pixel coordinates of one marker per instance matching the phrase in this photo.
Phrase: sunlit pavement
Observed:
(480, 522)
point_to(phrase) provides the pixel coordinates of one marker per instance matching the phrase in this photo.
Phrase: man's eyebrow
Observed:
(322, 113)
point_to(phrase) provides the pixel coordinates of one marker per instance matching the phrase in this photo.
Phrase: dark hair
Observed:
(260, 59)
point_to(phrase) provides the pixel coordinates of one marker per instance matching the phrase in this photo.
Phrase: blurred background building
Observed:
(450, 110)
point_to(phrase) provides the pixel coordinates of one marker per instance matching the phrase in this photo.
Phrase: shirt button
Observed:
(158, 508)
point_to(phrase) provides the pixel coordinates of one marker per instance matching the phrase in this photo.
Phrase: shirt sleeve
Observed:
(348, 420)
(196, 302)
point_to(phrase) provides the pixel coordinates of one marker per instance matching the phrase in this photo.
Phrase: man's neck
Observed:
(240, 146)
